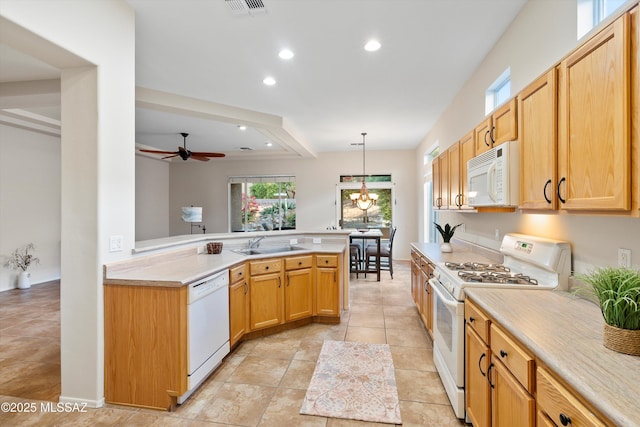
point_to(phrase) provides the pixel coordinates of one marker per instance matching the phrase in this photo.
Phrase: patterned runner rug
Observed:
(356, 381)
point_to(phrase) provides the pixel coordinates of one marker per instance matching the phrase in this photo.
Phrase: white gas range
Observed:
(529, 263)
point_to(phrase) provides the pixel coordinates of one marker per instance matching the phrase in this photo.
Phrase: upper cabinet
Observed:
(440, 171)
(499, 127)
(537, 108)
(594, 149)
(459, 154)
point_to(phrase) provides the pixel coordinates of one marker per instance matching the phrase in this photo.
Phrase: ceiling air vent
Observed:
(246, 7)
(246, 148)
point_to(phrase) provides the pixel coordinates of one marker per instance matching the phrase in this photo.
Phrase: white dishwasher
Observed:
(208, 328)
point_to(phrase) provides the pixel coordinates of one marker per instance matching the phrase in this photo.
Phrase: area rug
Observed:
(355, 381)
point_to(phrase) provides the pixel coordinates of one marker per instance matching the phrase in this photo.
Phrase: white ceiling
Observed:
(332, 89)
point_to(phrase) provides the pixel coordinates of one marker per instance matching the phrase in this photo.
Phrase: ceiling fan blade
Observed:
(206, 154)
(168, 157)
(202, 159)
(157, 151)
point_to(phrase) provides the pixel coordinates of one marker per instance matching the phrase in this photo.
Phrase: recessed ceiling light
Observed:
(269, 81)
(269, 143)
(285, 54)
(242, 127)
(372, 45)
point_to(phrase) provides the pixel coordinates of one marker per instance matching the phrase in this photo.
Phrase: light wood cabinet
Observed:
(467, 152)
(501, 126)
(477, 359)
(537, 128)
(511, 404)
(327, 293)
(560, 405)
(594, 127)
(440, 175)
(145, 339)
(299, 287)
(267, 294)
(634, 20)
(238, 304)
(426, 295)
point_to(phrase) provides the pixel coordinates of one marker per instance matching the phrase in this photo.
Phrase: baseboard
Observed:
(80, 402)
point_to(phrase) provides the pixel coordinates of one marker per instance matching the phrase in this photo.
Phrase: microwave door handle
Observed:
(491, 181)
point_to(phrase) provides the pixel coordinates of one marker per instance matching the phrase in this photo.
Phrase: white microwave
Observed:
(493, 176)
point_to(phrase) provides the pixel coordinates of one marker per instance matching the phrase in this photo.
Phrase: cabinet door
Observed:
(505, 123)
(437, 185)
(327, 292)
(635, 108)
(478, 391)
(238, 310)
(511, 404)
(467, 152)
(426, 302)
(482, 136)
(298, 294)
(537, 112)
(267, 300)
(444, 179)
(594, 150)
(454, 176)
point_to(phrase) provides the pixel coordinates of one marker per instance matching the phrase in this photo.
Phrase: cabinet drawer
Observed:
(560, 404)
(517, 360)
(298, 262)
(236, 273)
(268, 266)
(476, 320)
(327, 260)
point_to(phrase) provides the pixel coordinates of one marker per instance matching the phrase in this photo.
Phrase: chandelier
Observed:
(364, 200)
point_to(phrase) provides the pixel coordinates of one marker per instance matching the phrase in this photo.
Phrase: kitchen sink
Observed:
(268, 250)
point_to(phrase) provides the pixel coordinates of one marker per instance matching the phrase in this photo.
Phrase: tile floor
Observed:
(261, 383)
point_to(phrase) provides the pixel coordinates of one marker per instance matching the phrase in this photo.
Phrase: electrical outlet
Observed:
(624, 258)
(317, 240)
(115, 243)
(497, 235)
(293, 241)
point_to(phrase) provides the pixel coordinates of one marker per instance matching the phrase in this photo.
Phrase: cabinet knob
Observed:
(299, 262)
(267, 267)
(326, 261)
(471, 319)
(503, 353)
(564, 420)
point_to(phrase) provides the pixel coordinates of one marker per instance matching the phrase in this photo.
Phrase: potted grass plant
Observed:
(447, 234)
(617, 290)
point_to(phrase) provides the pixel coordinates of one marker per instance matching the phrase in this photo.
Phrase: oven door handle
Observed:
(448, 300)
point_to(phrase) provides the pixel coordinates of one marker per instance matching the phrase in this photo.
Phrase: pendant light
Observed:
(363, 200)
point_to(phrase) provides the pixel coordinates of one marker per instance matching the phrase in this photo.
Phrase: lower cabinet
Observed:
(238, 304)
(327, 292)
(299, 288)
(267, 294)
(503, 386)
(421, 270)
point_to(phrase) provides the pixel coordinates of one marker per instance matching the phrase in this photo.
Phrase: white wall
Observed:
(539, 37)
(93, 44)
(29, 202)
(205, 184)
(152, 198)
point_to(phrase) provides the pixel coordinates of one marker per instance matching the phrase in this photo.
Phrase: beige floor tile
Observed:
(275, 347)
(199, 400)
(399, 310)
(284, 410)
(418, 414)
(409, 338)
(369, 320)
(368, 335)
(298, 375)
(309, 349)
(417, 359)
(339, 422)
(237, 404)
(228, 367)
(141, 419)
(420, 386)
(403, 322)
(259, 371)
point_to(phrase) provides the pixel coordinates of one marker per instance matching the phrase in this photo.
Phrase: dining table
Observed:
(362, 266)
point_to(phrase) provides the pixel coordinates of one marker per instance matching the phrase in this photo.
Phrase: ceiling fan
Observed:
(184, 153)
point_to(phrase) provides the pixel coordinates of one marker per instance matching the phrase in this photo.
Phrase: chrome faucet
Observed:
(255, 242)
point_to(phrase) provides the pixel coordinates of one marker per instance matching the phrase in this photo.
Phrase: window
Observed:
(592, 12)
(262, 203)
(498, 92)
(378, 216)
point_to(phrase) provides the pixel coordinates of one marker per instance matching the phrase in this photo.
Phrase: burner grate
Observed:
(476, 266)
(496, 277)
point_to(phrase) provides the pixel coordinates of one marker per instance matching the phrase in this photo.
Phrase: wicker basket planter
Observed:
(625, 341)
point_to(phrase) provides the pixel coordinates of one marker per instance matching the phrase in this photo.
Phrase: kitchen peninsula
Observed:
(263, 282)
